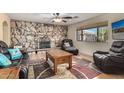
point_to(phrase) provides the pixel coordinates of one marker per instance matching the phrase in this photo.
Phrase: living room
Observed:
(42, 37)
(53, 46)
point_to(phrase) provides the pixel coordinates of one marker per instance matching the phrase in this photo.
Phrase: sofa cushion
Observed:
(15, 54)
(4, 61)
(118, 44)
(3, 47)
(7, 55)
(66, 44)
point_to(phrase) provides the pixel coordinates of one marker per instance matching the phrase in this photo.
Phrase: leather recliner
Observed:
(3, 49)
(112, 61)
(71, 48)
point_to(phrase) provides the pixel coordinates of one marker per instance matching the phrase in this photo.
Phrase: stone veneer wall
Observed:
(28, 34)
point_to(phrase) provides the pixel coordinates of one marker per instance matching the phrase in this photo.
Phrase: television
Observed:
(118, 30)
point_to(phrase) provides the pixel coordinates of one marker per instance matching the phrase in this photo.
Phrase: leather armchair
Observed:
(3, 49)
(71, 48)
(112, 61)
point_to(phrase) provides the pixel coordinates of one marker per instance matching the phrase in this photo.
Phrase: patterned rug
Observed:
(83, 72)
(84, 69)
(81, 69)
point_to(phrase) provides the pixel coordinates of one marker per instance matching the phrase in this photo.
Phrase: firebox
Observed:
(44, 42)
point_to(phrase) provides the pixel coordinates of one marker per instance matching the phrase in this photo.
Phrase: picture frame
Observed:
(118, 30)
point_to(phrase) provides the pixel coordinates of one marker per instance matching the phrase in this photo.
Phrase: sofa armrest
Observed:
(101, 52)
(118, 59)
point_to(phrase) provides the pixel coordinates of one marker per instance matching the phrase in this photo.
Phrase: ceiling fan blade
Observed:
(51, 21)
(64, 21)
(69, 17)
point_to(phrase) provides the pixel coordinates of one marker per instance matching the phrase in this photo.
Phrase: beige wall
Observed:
(5, 18)
(90, 47)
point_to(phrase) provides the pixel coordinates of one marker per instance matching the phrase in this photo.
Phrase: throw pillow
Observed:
(4, 61)
(67, 44)
(15, 54)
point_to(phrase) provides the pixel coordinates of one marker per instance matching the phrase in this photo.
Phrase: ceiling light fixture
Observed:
(57, 20)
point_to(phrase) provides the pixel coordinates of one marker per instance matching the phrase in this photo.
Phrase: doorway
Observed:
(5, 32)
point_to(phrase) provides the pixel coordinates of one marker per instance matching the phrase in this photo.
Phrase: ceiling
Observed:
(46, 17)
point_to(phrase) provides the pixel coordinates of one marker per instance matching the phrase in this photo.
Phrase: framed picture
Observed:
(118, 30)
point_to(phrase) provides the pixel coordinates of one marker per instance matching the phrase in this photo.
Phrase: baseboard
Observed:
(86, 56)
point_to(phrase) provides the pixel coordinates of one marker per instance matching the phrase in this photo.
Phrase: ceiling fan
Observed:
(58, 18)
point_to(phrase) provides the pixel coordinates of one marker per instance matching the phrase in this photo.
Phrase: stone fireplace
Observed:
(33, 35)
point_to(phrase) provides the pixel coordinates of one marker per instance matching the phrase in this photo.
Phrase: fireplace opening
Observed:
(44, 42)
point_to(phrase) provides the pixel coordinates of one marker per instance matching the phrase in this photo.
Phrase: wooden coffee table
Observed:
(58, 56)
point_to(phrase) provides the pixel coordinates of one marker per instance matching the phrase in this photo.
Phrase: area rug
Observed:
(84, 69)
(80, 70)
(45, 71)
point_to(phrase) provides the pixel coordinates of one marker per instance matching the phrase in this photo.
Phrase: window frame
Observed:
(77, 38)
(78, 35)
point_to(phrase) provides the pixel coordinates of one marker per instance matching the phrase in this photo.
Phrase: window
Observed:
(79, 35)
(102, 34)
(90, 34)
(96, 34)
